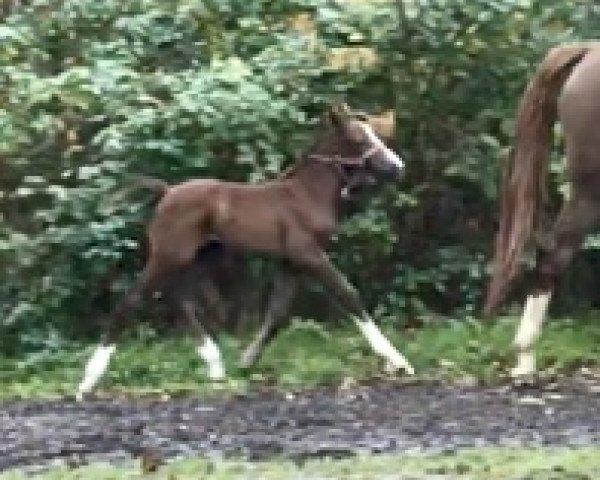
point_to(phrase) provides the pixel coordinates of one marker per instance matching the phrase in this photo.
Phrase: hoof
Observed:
(247, 360)
(391, 368)
(80, 396)
(518, 372)
(525, 369)
(217, 374)
(520, 377)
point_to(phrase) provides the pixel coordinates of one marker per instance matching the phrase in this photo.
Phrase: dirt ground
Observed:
(379, 417)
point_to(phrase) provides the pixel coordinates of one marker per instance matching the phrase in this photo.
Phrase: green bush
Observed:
(94, 91)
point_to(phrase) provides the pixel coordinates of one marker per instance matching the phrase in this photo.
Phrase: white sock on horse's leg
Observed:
(210, 353)
(529, 330)
(525, 364)
(381, 345)
(95, 368)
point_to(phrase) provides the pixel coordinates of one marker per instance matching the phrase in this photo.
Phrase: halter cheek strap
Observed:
(339, 162)
(349, 161)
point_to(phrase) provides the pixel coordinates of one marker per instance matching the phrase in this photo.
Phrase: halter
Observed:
(350, 161)
(339, 162)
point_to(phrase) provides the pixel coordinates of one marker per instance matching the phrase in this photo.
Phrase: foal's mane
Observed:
(292, 169)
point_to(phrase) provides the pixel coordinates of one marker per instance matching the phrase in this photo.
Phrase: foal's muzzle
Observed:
(388, 163)
(379, 157)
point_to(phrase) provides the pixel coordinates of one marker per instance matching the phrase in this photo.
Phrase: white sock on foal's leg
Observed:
(529, 330)
(95, 368)
(381, 345)
(210, 353)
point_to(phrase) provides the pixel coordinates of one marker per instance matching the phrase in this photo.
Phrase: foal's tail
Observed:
(524, 178)
(157, 186)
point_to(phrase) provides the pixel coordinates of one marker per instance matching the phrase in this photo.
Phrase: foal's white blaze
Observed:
(529, 330)
(382, 346)
(210, 353)
(391, 156)
(95, 368)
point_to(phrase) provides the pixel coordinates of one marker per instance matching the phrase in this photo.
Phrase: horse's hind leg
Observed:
(285, 287)
(98, 362)
(207, 348)
(320, 267)
(576, 218)
(100, 359)
(211, 297)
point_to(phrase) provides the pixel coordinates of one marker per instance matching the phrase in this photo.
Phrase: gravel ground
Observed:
(379, 417)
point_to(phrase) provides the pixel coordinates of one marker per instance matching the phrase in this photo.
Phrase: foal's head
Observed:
(349, 139)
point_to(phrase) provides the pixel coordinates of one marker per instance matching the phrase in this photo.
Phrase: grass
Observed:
(490, 464)
(308, 354)
(304, 355)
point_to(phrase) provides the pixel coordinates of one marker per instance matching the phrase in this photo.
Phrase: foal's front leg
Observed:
(321, 268)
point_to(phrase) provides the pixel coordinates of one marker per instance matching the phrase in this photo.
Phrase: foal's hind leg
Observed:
(576, 218)
(207, 348)
(100, 359)
(320, 267)
(211, 297)
(157, 275)
(285, 287)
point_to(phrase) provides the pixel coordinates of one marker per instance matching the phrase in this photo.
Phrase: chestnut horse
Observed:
(292, 218)
(565, 87)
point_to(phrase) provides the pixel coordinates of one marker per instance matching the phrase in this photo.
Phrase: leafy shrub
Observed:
(94, 91)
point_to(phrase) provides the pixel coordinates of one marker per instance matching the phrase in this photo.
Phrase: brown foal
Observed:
(292, 217)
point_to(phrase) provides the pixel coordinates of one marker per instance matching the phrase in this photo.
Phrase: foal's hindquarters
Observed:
(175, 240)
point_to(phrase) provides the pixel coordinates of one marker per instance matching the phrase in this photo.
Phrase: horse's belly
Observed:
(251, 230)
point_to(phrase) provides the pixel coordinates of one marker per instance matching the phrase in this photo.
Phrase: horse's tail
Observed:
(157, 186)
(524, 179)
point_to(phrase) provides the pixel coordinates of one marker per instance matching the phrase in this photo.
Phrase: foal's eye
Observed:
(356, 132)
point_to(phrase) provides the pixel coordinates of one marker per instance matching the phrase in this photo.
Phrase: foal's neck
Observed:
(321, 180)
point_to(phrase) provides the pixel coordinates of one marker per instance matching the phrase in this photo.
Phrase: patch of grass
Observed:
(305, 354)
(485, 350)
(489, 464)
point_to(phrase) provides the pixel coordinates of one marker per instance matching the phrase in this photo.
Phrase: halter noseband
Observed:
(346, 161)
(339, 162)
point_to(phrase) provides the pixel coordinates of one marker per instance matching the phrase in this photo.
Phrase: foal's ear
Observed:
(338, 113)
(383, 124)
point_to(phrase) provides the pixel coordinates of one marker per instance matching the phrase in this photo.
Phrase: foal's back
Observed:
(249, 215)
